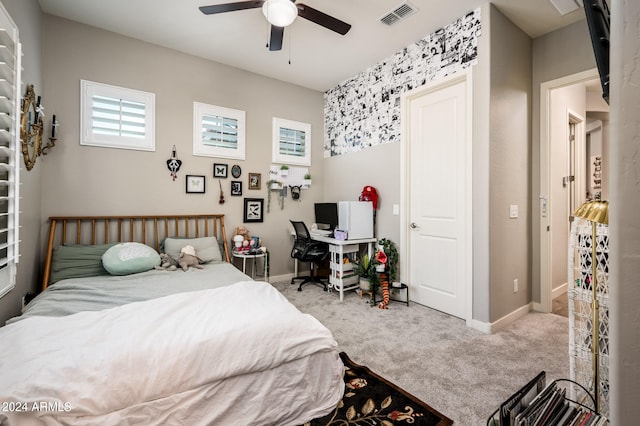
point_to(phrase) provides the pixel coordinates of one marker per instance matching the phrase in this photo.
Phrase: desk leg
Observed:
(340, 257)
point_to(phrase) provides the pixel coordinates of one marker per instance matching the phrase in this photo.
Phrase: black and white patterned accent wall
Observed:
(364, 111)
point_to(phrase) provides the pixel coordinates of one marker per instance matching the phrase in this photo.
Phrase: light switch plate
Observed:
(513, 211)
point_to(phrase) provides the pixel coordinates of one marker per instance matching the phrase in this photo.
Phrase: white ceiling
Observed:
(319, 58)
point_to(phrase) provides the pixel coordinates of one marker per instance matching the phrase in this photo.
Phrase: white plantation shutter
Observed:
(291, 142)
(10, 155)
(117, 117)
(218, 131)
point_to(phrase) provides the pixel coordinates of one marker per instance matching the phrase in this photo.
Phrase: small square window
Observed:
(218, 131)
(116, 117)
(291, 142)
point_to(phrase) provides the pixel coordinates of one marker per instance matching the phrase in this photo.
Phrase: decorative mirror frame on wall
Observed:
(30, 132)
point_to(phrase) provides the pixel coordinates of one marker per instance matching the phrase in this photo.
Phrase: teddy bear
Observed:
(167, 263)
(188, 258)
(240, 238)
(243, 231)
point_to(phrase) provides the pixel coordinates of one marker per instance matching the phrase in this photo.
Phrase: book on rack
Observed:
(552, 408)
(521, 399)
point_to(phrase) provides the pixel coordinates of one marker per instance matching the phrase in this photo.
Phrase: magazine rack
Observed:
(546, 407)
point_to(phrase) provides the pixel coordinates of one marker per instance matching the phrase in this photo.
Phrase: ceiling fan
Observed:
(281, 13)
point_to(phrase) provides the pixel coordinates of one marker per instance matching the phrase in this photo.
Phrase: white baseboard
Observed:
(559, 291)
(556, 292)
(490, 328)
(276, 278)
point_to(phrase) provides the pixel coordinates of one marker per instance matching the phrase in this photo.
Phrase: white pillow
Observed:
(207, 248)
(130, 258)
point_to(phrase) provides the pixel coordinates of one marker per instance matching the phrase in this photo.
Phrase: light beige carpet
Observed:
(460, 372)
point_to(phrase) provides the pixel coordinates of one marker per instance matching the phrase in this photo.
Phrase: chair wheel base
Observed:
(306, 280)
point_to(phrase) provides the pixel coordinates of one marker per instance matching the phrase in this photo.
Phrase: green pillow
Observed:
(130, 258)
(77, 261)
(207, 248)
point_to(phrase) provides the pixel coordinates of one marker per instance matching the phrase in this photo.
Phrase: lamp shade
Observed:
(280, 13)
(594, 211)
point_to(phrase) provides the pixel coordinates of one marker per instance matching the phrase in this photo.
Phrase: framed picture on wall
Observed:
(219, 170)
(195, 184)
(254, 180)
(236, 188)
(253, 209)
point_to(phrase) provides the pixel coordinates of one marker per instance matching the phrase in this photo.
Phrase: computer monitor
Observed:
(326, 215)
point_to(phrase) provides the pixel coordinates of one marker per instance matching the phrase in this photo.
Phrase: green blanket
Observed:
(73, 295)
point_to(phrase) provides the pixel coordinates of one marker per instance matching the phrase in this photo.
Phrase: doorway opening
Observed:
(571, 142)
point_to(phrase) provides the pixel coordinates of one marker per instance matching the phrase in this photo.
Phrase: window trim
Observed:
(277, 156)
(89, 89)
(199, 149)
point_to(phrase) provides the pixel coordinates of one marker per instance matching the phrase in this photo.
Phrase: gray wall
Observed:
(509, 165)
(27, 16)
(86, 180)
(623, 216)
(502, 87)
(379, 166)
(558, 54)
(480, 172)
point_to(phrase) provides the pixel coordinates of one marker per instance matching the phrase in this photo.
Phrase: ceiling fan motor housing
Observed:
(280, 13)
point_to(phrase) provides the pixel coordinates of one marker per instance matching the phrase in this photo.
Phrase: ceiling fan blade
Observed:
(275, 42)
(322, 19)
(230, 7)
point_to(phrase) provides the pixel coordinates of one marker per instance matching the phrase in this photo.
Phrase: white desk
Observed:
(342, 278)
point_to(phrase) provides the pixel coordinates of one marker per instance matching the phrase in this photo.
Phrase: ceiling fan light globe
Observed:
(280, 13)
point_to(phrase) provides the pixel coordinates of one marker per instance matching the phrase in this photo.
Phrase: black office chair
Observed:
(307, 250)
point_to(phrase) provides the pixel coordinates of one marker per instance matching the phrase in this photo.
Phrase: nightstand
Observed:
(253, 256)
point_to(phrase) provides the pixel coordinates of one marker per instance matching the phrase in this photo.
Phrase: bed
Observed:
(198, 347)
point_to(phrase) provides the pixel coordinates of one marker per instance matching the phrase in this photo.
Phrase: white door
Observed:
(439, 194)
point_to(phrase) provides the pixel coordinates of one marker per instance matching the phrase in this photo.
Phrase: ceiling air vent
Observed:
(566, 6)
(398, 13)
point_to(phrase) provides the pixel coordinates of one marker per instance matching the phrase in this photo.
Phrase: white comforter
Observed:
(97, 367)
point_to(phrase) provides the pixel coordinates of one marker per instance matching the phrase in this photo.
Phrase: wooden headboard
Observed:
(150, 230)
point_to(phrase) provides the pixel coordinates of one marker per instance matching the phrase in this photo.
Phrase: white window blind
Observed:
(291, 142)
(218, 131)
(10, 155)
(117, 117)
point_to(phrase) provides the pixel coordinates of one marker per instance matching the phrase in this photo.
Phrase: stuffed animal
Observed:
(240, 238)
(241, 230)
(188, 258)
(167, 263)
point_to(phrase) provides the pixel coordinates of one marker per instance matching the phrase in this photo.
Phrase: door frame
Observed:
(405, 208)
(546, 293)
(580, 156)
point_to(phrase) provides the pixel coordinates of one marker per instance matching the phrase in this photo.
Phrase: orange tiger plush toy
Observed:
(381, 257)
(384, 281)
